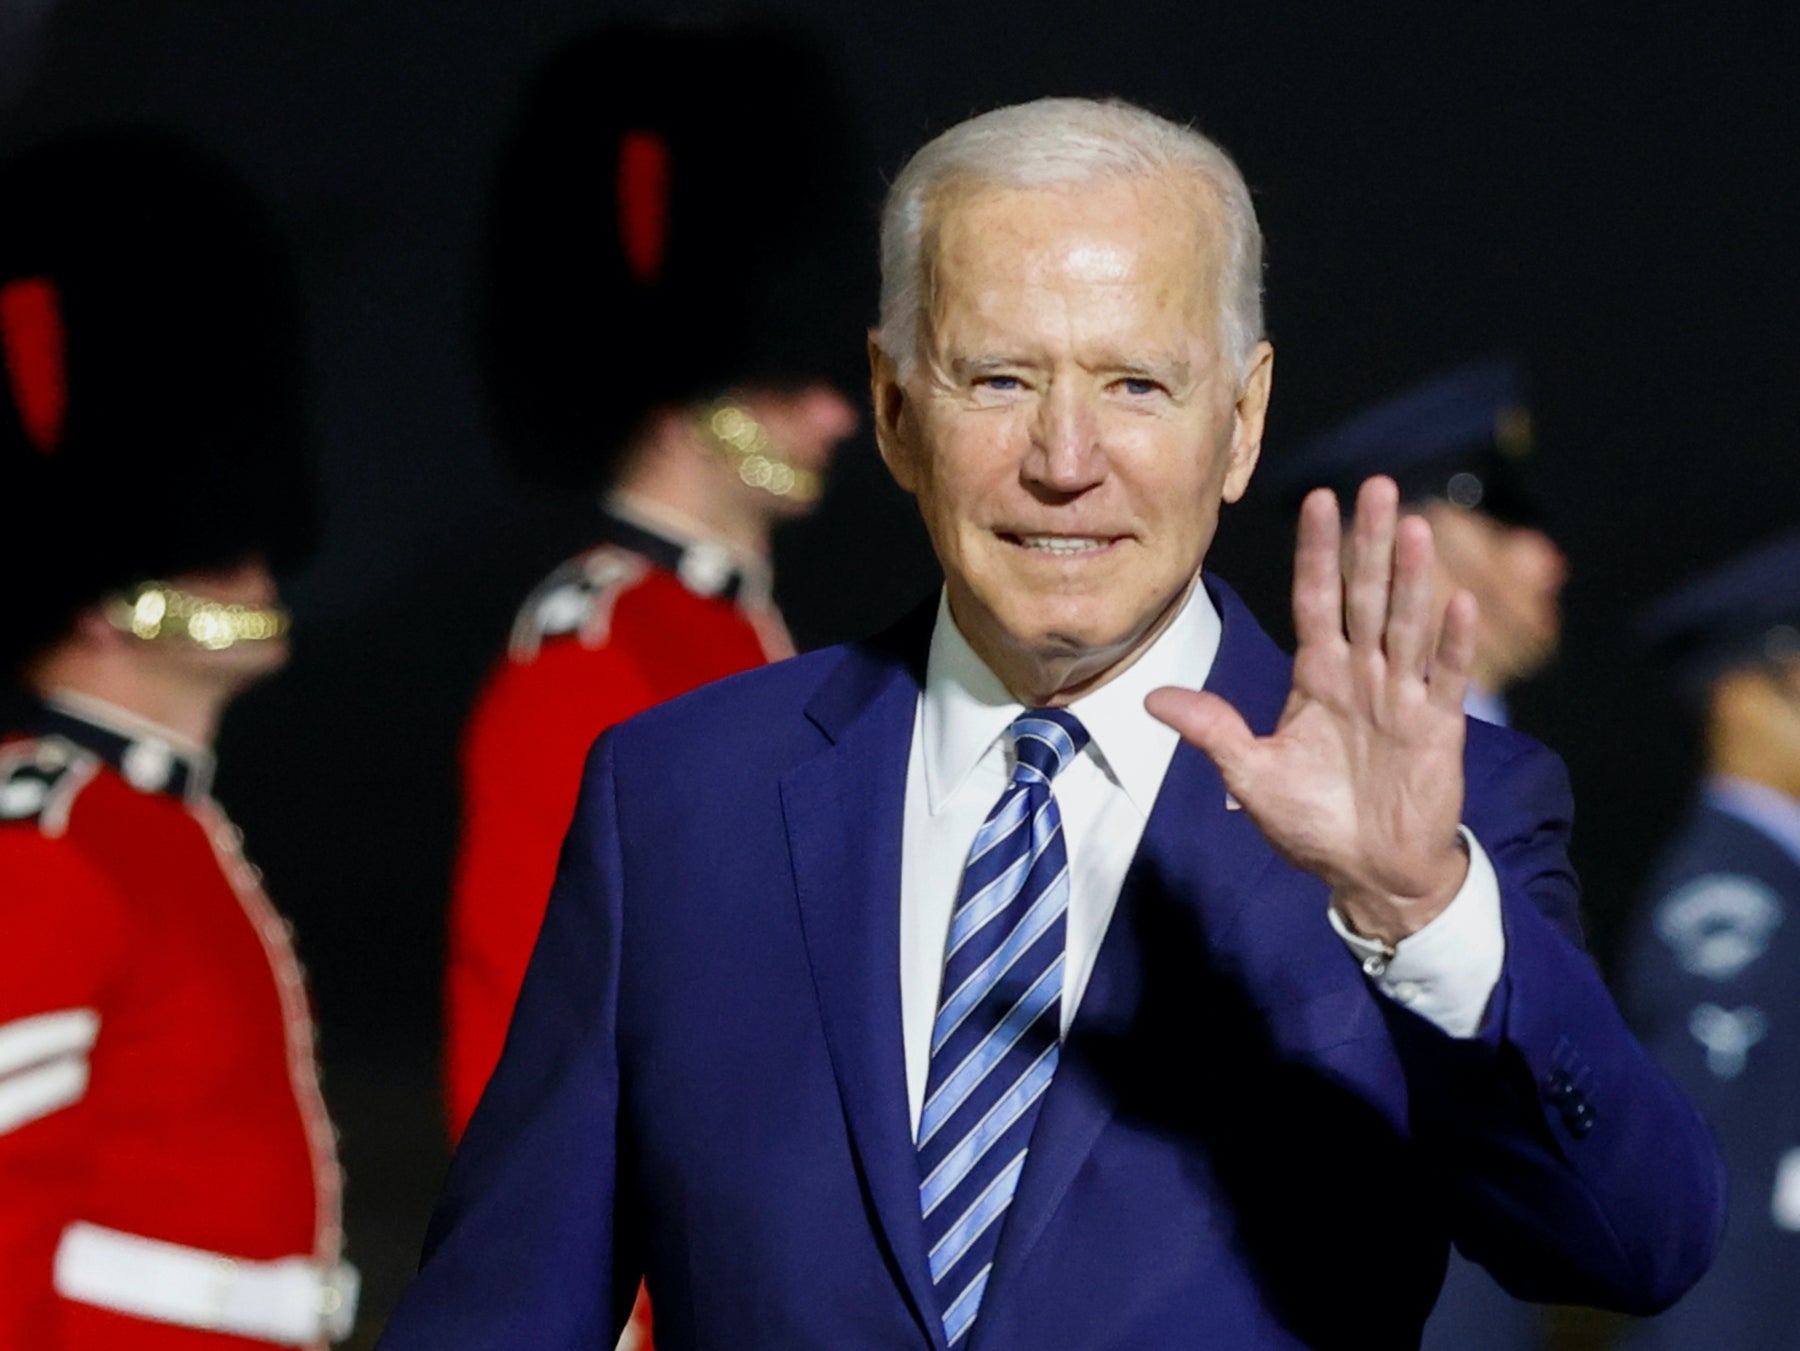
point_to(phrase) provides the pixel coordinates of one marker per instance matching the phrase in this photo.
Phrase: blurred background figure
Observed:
(1459, 446)
(20, 24)
(1713, 976)
(651, 333)
(168, 1169)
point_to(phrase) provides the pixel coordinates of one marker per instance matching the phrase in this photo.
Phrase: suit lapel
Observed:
(844, 810)
(1194, 848)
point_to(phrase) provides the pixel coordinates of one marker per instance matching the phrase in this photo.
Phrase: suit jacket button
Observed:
(1578, 1116)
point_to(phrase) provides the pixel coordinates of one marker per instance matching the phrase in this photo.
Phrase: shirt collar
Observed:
(1769, 810)
(1485, 704)
(149, 756)
(965, 708)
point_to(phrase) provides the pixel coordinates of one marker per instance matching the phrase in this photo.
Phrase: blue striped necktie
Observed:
(999, 1021)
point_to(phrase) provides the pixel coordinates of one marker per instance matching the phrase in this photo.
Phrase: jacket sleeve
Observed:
(532, 1244)
(63, 943)
(1572, 1167)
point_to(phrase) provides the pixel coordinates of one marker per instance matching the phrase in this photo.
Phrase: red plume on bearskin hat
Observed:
(664, 224)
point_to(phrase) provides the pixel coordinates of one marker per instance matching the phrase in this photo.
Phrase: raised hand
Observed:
(1361, 782)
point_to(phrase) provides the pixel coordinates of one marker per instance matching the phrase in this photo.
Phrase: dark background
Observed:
(1605, 189)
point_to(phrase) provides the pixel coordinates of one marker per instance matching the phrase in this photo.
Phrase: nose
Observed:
(1065, 456)
(830, 416)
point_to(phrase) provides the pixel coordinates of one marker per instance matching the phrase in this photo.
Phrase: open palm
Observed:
(1361, 782)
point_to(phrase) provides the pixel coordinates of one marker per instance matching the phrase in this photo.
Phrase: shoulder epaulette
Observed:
(577, 599)
(39, 780)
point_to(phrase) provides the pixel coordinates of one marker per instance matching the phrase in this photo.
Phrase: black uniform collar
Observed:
(150, 758)
(705, 566)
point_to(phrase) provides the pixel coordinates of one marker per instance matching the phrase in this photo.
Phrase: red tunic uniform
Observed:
(606, 636)
(169, 1173)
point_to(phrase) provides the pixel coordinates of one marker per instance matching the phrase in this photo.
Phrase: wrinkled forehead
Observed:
(1161, 233)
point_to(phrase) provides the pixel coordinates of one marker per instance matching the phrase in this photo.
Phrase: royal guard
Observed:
(169, 1172)
(655, 328)
(651, 334)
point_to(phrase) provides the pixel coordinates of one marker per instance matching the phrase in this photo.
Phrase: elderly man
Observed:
(607, 251)
(1001, 1018)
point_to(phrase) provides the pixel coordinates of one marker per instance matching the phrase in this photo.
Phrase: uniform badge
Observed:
(1718, 924)
(1727, 1035)
(1784, 1204)
(39, 780)
(576, 599)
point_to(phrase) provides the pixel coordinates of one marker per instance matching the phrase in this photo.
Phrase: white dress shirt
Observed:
(1768, 809)
(961, 762)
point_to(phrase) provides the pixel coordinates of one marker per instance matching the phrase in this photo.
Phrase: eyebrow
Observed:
(986, 363)
(1172, 371)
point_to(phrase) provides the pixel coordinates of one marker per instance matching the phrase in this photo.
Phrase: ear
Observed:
(1247, 425)
(673, 430)
(888, 398)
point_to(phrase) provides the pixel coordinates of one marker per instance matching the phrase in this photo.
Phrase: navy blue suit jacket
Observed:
(1245, 1146)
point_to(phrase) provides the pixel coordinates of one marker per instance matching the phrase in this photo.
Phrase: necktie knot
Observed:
(1046, 740)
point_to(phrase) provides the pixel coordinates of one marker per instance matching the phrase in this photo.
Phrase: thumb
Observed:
(1208, 723)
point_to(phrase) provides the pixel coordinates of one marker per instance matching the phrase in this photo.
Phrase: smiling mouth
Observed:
(1061, 546)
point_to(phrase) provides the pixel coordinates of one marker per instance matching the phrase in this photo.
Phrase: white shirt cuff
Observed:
(1447, 971)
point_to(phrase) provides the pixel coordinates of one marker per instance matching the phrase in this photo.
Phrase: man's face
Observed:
(1070, 427)
(1517, 575)
(1784, 739)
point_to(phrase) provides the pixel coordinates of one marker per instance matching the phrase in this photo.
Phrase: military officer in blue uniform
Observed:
(1459, 446)
(1713, 980)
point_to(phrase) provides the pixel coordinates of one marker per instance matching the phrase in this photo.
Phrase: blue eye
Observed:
(1136, 386)
(1004, 383)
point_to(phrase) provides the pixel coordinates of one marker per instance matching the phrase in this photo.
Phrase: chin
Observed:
(1082, 652)
(246, 668)
(1535, 660)
(1058, 630)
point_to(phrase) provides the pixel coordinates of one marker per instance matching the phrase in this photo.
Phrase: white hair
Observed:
(1047, 143)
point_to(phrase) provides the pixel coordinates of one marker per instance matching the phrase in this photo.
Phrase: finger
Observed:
(1455, 652)
(1370, 566)
(1318, 575)
(1210, 724)
(1411, 614)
